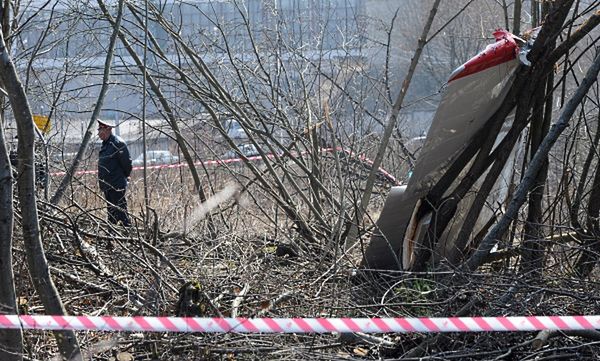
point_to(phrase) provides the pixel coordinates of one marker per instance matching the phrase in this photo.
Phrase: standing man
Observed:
(114, 168)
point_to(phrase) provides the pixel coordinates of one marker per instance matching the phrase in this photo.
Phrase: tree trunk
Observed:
(591, 249)
(532, 260)
(36, 258)
(533, 247)
(11, 341)
(517, 18)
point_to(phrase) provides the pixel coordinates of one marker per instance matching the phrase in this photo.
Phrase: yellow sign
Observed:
(42, 122)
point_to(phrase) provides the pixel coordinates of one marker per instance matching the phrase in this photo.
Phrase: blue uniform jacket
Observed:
(114, 164)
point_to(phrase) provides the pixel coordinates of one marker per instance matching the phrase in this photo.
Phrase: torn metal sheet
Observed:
(472, 95)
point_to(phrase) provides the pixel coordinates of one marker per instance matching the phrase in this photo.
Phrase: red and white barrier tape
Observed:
(299, 325)
(237, 160)
(168, 166)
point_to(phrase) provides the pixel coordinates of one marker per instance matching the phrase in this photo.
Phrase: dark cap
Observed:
(106, 123)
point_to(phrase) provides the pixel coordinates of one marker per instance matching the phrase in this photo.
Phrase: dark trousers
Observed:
(117, 206)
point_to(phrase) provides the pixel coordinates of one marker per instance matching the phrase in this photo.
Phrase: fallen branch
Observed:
(235, 305)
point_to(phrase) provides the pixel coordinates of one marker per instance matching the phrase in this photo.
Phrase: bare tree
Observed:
(11, 341)
(95, 114)
(36, 258)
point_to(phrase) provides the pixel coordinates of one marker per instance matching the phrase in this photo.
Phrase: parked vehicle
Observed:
(61, 157)
(233, 129)
(247, 150)
(155, 157)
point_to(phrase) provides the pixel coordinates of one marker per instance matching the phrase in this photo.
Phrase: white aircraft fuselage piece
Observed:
(472, 95)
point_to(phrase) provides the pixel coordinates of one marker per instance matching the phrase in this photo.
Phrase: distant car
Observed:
(155, 157)
(248, 150)
(63, 157)
(234, 130)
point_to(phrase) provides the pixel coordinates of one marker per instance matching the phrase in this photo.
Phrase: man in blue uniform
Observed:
(114, 168)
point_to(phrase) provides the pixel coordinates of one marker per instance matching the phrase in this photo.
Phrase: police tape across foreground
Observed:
(299, 325)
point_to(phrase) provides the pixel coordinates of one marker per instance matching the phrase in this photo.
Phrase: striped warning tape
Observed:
(362, 158)
(299, 325)
(177, 165)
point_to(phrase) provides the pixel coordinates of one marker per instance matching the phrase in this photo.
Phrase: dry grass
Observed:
(143, 271)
